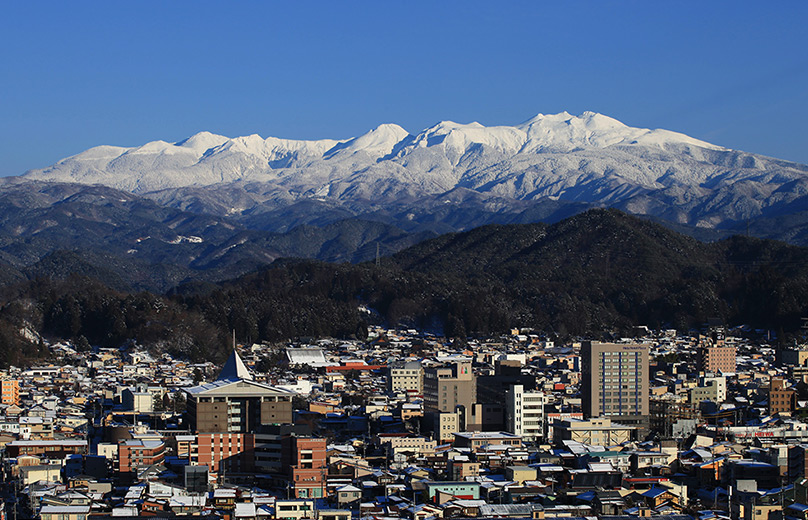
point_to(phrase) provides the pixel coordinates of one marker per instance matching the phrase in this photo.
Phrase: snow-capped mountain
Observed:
(590, 159)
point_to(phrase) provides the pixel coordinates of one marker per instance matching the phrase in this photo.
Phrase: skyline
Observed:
(733, 74)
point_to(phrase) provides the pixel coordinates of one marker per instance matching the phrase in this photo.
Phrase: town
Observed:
(406, 425)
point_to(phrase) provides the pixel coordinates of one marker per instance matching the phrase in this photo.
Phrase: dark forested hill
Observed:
(597, 272)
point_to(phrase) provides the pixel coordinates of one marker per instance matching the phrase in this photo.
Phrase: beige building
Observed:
(716, 359)
(420, 446)
(596, 432)
(138, 399)
(446, 425)
(295, 509)
(406, 377)
(615, 381)
(448, 387)
(710, 388)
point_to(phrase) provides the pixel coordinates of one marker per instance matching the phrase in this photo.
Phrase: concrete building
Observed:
(305, 460)
(792, 357)
(224, 452)
(710, 388)
(236, 404)
(615, 381)
(781, 398)
(54, 449)
(716, 359)
(448, 387)
(134, 454)
(480, 440)
(138, 399)
(406, 377)
(420, 446)
(10, 392)
(446, 425)
(525, 413)
(596, 432)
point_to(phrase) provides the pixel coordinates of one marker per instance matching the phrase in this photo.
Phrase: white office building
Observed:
(525, 413)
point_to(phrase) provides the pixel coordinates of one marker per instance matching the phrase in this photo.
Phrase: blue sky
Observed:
(77, 75)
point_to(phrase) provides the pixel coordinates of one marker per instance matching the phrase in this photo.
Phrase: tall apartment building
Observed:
(781, 398)
(224, 453)
(406, 376)
(448, 387)
(10, 392)
(525, 413)
(615, 381)
(716, 359)
(305, 460)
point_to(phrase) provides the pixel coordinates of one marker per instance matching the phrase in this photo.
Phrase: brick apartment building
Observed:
(224, 452)
(135, 454)
(305, 458)
(716, 359)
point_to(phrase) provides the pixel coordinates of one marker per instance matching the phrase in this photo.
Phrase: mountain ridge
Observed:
(590, 159)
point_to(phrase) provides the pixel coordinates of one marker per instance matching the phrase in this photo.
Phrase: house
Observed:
(294, 509)
(348, 495)
(64, 512)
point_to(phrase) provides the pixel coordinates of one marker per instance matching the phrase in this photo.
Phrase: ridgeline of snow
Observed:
(589, 158)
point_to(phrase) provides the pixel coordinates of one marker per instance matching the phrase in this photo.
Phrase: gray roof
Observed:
(234, 368)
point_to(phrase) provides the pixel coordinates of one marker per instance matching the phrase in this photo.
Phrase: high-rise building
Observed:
(448, 387)
(615, 382)
(525, 413)
(716, 359)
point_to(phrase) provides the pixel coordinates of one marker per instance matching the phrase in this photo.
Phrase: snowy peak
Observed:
(377, 143)
(564, 132)
(459, 137)
(202, 141)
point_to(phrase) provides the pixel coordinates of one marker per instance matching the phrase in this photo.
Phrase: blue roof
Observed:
(654, 492)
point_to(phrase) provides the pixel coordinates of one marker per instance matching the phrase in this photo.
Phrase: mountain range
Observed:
(597, 274)
(212, 207)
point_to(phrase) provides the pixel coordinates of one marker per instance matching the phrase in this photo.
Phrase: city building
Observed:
(235, 403)
(596, 432)
(138, 399)
(54, 449)
(10, 392)
(447, 388)
(718, 359)
(134, 454)
(407, 376)
(525, 413)
(479, 440)
(781, 398)
(305, 458)
(224, 453)
(446, 424)
(615, 381)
